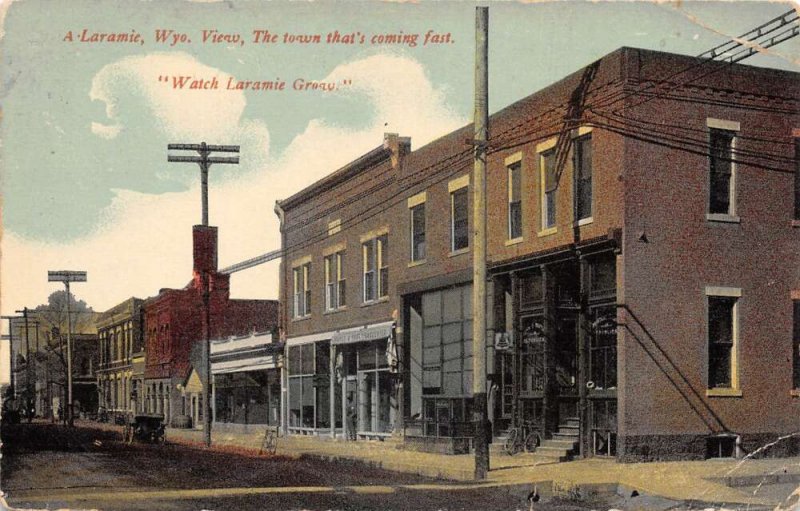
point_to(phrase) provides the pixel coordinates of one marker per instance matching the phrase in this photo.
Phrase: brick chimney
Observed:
(205, 248)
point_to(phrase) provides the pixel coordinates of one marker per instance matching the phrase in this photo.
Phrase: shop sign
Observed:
(503, 341)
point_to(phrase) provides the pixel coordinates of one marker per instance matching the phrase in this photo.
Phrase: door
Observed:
(566, 355)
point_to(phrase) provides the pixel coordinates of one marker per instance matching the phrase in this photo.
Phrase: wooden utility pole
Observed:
(66, 277)
(481, 136)
(205, 161)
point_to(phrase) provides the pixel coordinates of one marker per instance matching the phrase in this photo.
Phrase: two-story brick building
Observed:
(121, 339)
(174, 322)
(644, 266)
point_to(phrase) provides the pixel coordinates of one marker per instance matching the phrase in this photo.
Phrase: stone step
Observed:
(571, 421)
(567, 432)
(567, 444)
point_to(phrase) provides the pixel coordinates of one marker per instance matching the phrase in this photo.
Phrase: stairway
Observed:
(560, 448)
(563, 444)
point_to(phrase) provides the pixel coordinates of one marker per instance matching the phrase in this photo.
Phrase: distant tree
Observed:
(53, 324)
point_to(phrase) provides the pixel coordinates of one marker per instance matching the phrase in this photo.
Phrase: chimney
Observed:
(205, 248)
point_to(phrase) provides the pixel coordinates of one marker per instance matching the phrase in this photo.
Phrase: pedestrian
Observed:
(60, 412)
(352, 415)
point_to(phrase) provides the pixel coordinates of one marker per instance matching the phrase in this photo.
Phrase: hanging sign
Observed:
(503, 341)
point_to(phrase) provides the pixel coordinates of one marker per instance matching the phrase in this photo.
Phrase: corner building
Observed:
(643, 255)
(174, 323)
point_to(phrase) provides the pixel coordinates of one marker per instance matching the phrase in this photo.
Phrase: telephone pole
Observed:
(205, 160)
(28, 365)
(67, 276)
(481, 137)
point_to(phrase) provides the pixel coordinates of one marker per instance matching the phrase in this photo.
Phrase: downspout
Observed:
(281, 214)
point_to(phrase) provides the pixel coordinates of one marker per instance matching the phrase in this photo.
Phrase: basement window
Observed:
(721, 446)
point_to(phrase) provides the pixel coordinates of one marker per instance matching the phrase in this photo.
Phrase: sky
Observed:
(85, 124)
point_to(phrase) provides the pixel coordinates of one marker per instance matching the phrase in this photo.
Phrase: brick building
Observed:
(174, 322)
(644, 293)
(121, 341)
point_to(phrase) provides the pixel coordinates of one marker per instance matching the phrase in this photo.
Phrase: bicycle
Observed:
(522, 437)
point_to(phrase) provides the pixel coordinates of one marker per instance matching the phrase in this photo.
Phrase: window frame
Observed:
(377, 248)
(462, 191)
(514, 215)
(577, 167)
(731, 128)
(726, 293)
(334, 284)
(300, 275)
(417, 237)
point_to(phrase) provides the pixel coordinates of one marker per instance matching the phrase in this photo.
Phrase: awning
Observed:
(252, 364)
(370, 333)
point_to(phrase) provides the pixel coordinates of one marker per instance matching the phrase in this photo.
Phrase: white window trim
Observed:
(544, 230)
(302, 270)
(735, 388)
(336, 259)
(732, 216)
(380, 258)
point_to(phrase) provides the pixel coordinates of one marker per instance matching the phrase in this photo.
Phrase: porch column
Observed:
(284, 391)
(584, 325)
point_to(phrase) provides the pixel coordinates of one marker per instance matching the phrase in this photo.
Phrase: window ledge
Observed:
(547, 232)
(334, 311)
(302, 318)
(458, 252)
(795, 223)
(513, 241)
(723, 392)
(382, 299)
(794, 392)
(584, 221)
(417, 263)
(723, 217)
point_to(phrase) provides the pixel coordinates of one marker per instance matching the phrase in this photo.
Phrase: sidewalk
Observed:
(712, 481)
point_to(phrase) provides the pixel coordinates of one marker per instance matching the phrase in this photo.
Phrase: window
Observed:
(459, 219)
(722, 169)
(796, 345)
(722, 337)
(376, 268)
(447, 342)
(549, 184)
(418, 232)
(335, 288)
(302, 294)
(515, 200)
(583, 177)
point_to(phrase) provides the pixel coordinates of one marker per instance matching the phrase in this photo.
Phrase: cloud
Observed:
(181, 113)
(403, 96)
(144, 243)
